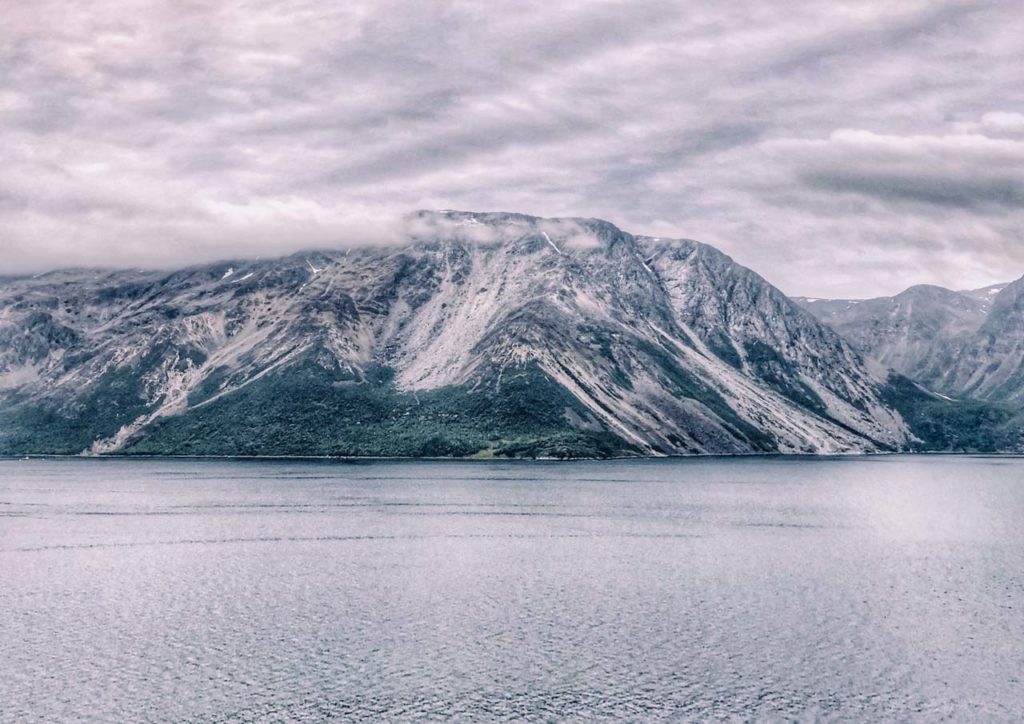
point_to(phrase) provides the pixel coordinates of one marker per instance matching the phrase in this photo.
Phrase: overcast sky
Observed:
(838, 148)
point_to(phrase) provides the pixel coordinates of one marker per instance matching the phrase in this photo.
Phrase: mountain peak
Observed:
(486, 332)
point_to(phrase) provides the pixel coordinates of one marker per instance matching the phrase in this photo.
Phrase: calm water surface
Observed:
(864, 589)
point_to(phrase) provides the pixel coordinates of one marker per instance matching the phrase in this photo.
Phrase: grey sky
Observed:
(838, 148)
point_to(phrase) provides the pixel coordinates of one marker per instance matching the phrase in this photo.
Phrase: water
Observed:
(881, 588)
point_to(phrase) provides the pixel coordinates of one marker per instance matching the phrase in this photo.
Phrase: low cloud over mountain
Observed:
(846, 149)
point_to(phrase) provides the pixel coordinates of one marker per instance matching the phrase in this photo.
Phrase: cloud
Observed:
(954, 171)
(994, 122)
(495, 228)
(842, 148)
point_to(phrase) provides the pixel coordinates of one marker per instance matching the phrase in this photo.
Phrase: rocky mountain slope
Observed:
(484, 334)
(986, 295)
(918, 332)
(964, 344)
(990, 362)
(966, 347)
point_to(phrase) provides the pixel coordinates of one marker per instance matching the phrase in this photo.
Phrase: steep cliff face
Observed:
(751, 326)
(484, 334)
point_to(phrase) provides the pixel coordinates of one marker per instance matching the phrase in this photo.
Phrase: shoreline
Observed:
(470, 459)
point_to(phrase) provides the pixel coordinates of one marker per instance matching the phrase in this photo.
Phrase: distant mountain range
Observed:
(498, 335)
(964, 344)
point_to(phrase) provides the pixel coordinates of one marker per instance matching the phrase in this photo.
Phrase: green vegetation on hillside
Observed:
(28, 427)
(310, 410)
(945, 425)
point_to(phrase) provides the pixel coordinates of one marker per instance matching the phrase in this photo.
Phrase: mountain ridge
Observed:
(484, 334)
(960, 343)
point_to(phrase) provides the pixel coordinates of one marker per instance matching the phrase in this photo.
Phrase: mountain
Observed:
(484, 334)
(985, 295)
(918, 332)
(965, 344)
(990, 363)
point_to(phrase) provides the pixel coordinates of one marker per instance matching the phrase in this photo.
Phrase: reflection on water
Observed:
(880, 588)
